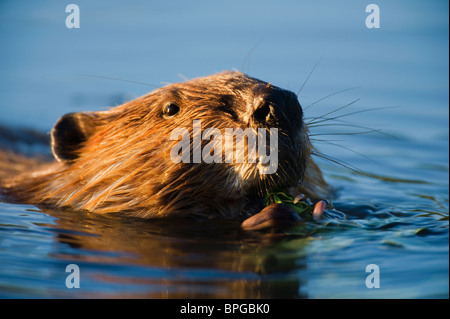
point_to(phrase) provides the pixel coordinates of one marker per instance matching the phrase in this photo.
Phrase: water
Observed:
(397, 218)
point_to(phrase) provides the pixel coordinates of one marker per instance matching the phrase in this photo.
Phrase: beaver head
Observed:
(165, 153)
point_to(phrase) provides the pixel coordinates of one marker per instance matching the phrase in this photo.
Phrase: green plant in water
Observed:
(300, 206)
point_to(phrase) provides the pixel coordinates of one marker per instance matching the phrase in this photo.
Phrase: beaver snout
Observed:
(277, 108)
(263, 112)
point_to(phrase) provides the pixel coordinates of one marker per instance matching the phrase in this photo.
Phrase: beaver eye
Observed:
(170, 110)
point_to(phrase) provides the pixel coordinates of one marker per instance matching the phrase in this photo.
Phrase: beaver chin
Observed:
(258, 184)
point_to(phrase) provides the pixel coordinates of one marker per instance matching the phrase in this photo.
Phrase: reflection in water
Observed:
(184, 258)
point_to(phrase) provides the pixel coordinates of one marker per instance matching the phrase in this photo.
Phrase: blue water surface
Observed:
(394, 80)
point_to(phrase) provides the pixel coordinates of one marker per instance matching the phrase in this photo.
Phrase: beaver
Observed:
(120, 160)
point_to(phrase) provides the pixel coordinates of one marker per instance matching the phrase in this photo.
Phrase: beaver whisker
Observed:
(337, 161)
(344, 124)
(247, 56)
(330, 95)
(309, 75)
(347, 133)
(117, 79)
(321, 119)
(333, 111)
(320, 123)
(344, 147)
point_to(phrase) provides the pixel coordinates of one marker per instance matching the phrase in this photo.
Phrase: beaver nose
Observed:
(263, 112)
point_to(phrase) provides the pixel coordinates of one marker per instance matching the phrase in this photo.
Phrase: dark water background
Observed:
(397, 219)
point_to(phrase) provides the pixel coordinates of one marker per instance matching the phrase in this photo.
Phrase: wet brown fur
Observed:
(124, 163)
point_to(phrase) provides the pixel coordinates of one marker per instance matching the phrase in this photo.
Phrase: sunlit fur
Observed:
(125, 166)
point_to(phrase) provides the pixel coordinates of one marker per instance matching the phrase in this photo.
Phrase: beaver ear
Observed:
(69, 133)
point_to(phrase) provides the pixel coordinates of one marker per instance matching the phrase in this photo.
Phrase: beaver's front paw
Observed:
(272, 216)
